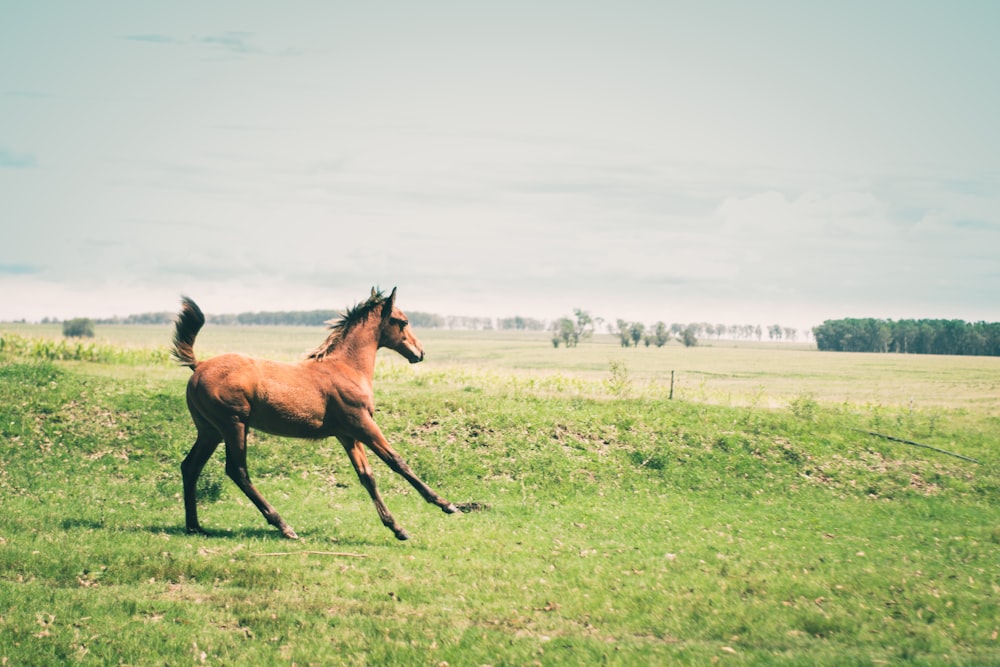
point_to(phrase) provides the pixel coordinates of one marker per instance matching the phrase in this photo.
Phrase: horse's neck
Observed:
(359, 349)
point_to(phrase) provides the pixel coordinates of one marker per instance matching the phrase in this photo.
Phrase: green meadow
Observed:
(751, 519)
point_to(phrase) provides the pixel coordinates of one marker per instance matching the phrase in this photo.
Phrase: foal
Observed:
(328, 393)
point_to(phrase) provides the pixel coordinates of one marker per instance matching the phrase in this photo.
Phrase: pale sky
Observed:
(733, 162)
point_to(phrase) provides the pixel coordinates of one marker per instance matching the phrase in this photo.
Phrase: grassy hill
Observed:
(747, 521)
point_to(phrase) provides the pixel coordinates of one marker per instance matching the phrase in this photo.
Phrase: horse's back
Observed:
(230, 371)
(271, 396)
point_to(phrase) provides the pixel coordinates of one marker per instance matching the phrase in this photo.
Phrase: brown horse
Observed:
(328, 393)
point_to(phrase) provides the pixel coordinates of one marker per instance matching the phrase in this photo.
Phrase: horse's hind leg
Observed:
(194, 463)
(236, 468)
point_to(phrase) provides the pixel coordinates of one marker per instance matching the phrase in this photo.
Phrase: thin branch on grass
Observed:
(915, 444)
(342, 554)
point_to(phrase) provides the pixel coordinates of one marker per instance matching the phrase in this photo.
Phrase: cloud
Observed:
(771, 214)
(233, 41)
(978, 225)
(19, 269)
(856, 253)
(152, 39)
(12, 160)
(28, 95)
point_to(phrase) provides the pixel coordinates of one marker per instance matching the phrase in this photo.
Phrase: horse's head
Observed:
(396, 332)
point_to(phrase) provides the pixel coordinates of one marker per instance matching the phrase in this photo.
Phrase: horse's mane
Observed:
(340, 326)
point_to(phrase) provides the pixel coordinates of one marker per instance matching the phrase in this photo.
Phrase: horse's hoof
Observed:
(402, 535)
(289, 533)
(450, 509)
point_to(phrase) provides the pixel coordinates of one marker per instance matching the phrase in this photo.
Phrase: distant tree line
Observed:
(909, 336)
(566, 331)
(291, 317)
(518, 323)
(314, 318)
(142, 318)
(636, 333)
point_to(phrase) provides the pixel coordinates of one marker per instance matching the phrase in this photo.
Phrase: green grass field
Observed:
(745, 522)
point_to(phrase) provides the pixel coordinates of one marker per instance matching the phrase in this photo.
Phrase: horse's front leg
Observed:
(378, 444)
(356, 452)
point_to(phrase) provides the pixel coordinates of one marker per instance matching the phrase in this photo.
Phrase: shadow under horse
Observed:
(329, 393)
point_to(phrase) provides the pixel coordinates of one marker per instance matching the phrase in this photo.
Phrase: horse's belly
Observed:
(288, 414)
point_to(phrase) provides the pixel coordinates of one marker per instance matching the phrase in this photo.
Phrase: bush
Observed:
(81, 327)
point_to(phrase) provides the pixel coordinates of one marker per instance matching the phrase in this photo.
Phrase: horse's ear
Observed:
(388, 305)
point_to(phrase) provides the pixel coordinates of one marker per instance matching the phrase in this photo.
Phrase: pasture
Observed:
(747, 521)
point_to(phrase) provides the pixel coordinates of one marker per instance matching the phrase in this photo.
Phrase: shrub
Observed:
(619, 382)
(80, 327)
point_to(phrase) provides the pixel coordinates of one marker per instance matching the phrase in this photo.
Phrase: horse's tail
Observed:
(189, 322)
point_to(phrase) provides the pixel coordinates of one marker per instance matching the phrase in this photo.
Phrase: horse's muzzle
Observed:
(412, 353)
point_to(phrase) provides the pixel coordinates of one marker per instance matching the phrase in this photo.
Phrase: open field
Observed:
(723, 372)
(742, 523)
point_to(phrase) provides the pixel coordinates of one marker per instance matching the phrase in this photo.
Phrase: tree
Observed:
(584, 328)
(570, 332)
(923, 341)
(661, 335)
(81, 327)
(881, 334)
(637, 330)
(565, 330)
(624, 333)
(690, 335)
